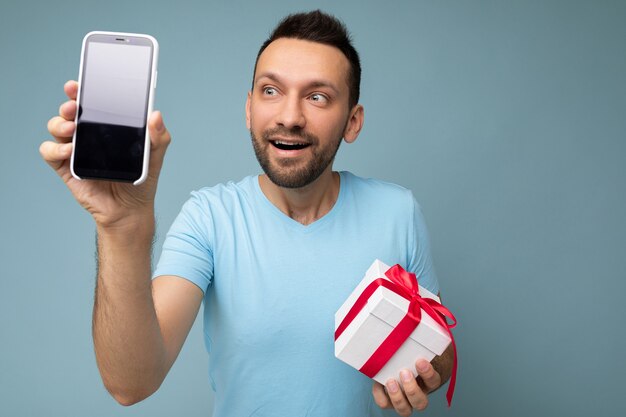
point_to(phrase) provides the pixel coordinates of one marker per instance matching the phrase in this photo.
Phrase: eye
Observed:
(269, 91)
(318, 98)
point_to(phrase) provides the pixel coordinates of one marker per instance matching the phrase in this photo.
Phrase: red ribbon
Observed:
(404, 284)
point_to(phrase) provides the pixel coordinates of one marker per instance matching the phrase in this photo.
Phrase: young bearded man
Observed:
(272, 256)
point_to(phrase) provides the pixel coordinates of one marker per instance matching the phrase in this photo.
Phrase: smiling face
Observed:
(298, 110)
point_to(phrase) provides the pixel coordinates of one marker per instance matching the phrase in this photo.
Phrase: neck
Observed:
(306, 204)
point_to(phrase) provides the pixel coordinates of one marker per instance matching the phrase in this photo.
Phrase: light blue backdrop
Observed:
(506, 118)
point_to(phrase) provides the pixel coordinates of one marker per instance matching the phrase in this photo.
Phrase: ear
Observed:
(248, 109)
(354, 125)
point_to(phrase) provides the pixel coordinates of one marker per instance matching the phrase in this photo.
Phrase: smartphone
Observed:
(116, 85)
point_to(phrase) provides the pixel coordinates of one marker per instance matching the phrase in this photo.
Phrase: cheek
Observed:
(258, 117)
(331, 126)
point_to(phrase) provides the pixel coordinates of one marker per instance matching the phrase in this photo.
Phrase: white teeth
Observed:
(288, 144)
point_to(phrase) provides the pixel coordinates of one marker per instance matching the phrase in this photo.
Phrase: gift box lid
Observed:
(390, 307)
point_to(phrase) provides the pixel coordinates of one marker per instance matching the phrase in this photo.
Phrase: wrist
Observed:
(134, 228)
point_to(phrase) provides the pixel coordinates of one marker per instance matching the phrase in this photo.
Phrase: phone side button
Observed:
(156, 78)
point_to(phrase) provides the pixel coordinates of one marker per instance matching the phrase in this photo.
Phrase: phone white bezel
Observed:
(151, 93)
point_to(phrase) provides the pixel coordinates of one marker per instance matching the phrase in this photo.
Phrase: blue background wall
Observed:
(506, 118)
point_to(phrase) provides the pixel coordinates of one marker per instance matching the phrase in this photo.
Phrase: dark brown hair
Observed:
(317, 26)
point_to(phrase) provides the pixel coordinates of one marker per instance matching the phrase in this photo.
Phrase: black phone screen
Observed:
(114, 93)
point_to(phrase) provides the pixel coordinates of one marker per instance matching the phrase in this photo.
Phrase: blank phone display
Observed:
(111, 124)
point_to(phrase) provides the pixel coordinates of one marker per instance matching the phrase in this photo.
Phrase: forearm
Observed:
(129, 347)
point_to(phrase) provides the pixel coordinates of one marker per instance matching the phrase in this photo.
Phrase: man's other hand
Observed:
(411, 393)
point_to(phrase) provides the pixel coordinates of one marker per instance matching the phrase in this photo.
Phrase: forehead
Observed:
(297, 60)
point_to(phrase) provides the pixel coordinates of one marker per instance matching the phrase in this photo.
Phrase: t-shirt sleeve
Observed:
(421, 262)
(187, 249)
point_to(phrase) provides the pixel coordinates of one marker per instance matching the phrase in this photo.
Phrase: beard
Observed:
(293, 173)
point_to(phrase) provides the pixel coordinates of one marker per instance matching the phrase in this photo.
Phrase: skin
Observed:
(300, 93)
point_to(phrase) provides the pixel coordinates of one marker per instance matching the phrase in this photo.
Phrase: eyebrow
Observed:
(313, 84)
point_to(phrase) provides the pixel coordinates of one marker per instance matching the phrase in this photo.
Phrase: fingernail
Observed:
(392, 386)
(422, 366)
(406, 376)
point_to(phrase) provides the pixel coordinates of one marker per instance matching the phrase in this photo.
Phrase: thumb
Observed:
(159, 140)
(430, 377)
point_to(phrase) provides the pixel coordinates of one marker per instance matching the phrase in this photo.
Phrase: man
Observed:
(272, 256)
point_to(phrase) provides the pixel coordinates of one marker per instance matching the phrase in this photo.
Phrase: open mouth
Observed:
(289, 146)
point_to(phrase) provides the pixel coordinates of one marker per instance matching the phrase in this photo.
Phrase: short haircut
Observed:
(320, 27)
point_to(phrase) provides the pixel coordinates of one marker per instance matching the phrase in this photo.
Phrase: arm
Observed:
(139, 326)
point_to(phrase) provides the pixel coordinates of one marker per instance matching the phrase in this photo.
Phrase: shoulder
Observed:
(373, 185)
(222, 195)
(372, 190)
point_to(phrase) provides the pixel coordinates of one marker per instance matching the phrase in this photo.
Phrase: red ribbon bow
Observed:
(404, 284)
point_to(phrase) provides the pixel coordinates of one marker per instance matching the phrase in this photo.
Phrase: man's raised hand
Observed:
(111, 204)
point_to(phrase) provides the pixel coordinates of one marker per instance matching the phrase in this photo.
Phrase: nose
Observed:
(290, 114)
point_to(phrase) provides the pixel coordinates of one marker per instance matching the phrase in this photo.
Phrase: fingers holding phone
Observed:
(61, 127)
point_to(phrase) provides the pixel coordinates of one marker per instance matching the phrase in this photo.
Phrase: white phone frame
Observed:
(151, 94)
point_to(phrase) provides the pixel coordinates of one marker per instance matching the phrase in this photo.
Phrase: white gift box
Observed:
(372, 325)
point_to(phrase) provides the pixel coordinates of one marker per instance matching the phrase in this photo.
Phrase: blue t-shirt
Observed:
(272, 286)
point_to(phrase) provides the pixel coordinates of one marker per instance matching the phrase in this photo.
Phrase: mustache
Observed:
(293, 134)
